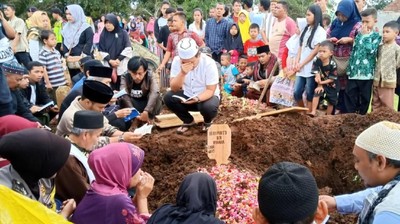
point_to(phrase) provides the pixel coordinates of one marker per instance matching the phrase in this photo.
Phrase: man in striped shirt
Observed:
(51, 60)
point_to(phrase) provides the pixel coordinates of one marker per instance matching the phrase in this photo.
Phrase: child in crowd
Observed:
(326, 21)
(250, 46)
(229, 72)
(152, 42)
(387, 63)
(233, 43)
(362, 64)
(324, 69)
(244, 79)
(54, 75)
(242, 63)
(310, 38)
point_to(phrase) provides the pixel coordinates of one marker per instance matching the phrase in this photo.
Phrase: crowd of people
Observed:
(89, 170)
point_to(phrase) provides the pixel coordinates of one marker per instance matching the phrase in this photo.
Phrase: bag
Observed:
(341, 65)
(282, 91)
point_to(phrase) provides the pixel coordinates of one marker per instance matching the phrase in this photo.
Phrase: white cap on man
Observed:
(187, 48)
(382, 139)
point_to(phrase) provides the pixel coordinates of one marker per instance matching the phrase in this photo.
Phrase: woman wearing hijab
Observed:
(244, 25)
(342, 33)
(39, 21)
(77, 36)
(196, 202)
(115, 48)
(35, 156)
(116, 168)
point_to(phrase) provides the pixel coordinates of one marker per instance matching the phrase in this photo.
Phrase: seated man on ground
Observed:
(14, 73)
(193, 75)
(377, 160)
(74, 178)
(143, 90)
(288, 193)
(95, 97)
(36, 93)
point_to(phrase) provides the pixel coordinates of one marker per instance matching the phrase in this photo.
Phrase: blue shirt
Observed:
(78, 84)
(353, 203)
(216, 33)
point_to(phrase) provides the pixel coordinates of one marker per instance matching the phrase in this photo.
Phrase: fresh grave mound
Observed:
(324, 144)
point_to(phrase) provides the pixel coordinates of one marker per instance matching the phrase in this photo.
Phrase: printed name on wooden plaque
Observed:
(219, 138)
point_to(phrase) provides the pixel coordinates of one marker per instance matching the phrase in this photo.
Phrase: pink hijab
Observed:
(113, 167)
(12, 123)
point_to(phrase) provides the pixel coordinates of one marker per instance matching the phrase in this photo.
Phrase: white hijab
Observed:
(71, 32)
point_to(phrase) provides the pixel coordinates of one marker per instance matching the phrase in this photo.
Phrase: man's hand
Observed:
(187, 67)
(34, 109)
(345, 40)
(68, 207)
(123, 112)
(144, 116)
(330, 202)
(131, 137)
(49, 86)
(246, 81)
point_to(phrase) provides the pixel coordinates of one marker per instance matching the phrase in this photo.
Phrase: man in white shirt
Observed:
(194, 77)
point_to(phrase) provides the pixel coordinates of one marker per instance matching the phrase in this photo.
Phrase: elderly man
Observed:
(377, 160)
(217, 30)
(95, 97)
(73, 180)
(194, 77)
(282, 29)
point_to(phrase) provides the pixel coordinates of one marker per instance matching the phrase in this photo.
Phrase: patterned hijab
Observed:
(113, 167)
(73, 30)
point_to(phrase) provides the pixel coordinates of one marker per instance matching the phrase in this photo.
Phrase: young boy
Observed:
(229, 72)
(54, 75)
(36, 93)
(362, 64)
(242, 63)
(244, 79)
(250, 46)
(324, 69)
(385, 72)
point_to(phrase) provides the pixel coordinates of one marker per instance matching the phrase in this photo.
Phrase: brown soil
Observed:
(324, 144)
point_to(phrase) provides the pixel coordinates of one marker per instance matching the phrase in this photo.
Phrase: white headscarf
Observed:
(71, 32)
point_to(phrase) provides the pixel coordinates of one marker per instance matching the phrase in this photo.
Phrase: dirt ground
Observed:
(324, 144)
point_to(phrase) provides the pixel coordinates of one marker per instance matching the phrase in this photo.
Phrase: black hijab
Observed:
(234, 42)
(35, 154)
(113, 42)
(196, 203)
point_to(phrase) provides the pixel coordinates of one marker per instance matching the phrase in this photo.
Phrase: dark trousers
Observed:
(23, 58)
(208, 109)
(358, 95)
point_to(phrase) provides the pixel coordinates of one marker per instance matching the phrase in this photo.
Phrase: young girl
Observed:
(233, 44)
(310, 38)
(152, 42)
(199, 25)
(244, 25)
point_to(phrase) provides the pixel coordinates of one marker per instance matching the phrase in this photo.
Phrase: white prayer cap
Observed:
(382, 138)
(187, 48)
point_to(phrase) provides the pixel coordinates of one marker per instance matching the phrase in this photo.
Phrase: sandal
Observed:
(185, 127)
(206, 126)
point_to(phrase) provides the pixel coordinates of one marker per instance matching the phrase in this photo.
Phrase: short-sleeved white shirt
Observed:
(196, 81)
(319, 36)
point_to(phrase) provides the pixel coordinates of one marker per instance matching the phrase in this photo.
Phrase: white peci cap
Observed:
(187, 48)
(382, 138)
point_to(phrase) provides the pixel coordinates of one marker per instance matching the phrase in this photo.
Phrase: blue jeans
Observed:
(302, 83)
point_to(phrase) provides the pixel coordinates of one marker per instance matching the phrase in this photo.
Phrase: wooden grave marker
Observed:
(219, 139)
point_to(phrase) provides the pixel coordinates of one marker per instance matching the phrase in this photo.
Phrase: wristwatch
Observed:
(121, 137)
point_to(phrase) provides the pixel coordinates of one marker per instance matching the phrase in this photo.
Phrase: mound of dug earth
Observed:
(324, 144)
